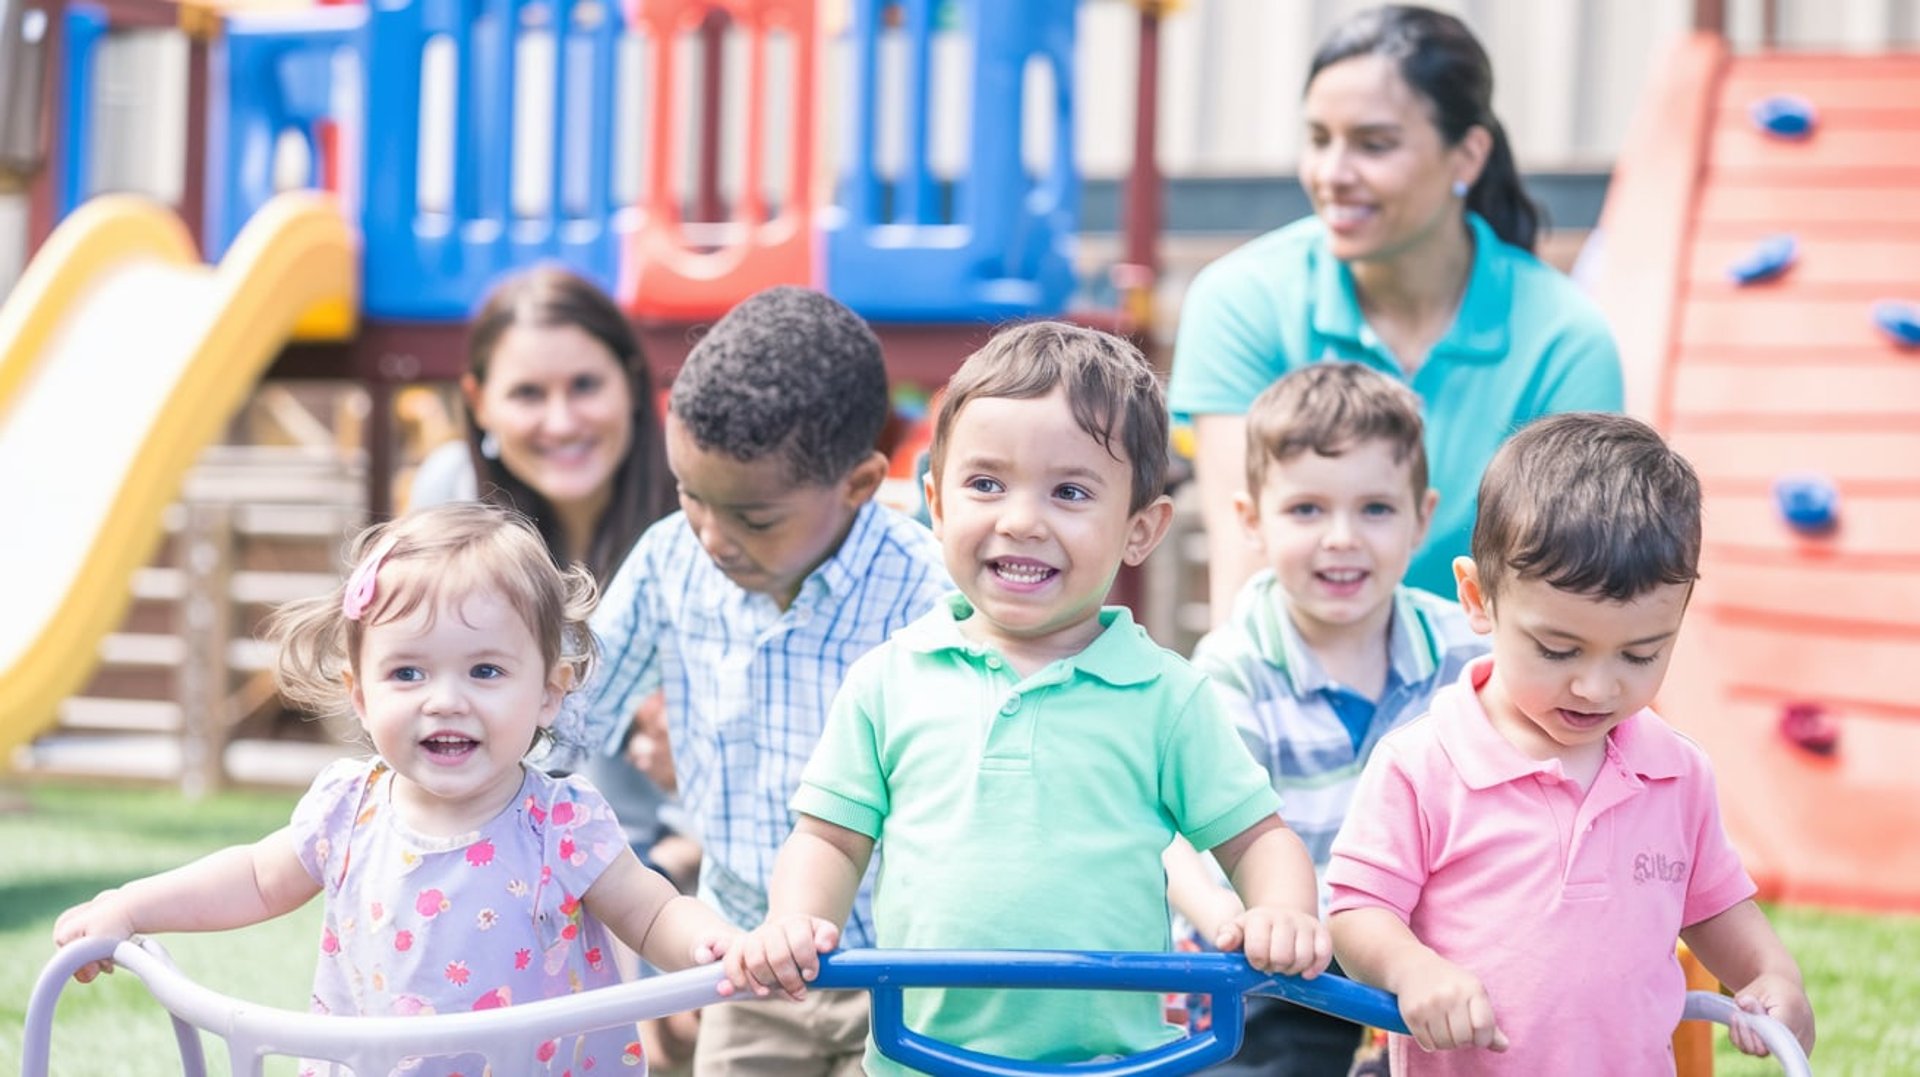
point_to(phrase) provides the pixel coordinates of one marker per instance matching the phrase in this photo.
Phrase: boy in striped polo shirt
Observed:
(1326, 650)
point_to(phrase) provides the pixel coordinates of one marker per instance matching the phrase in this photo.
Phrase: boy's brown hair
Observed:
(1329, 408)
(1591, 503)
(1111, 388)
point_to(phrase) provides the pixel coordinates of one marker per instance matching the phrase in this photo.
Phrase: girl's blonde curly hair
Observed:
(436, 557)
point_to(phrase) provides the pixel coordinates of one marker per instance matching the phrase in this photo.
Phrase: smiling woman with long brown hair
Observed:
(561, 420)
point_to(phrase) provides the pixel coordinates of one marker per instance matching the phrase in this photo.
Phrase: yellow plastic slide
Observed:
(122, 356)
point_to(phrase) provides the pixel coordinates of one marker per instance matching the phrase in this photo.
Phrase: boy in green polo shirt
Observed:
(1025, 752)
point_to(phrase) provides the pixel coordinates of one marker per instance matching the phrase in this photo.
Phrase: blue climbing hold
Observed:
(1771, 257)
(1784, 115)
(1810, 503)
(1899, 320)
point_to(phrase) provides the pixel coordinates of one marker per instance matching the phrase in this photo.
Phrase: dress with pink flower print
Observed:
(418, 925)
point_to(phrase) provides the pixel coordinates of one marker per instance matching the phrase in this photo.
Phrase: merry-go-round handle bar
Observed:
(883, 973)
(1711, 1006)
(1227, 977)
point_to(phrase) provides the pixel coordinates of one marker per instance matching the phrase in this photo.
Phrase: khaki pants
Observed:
(823, 1035)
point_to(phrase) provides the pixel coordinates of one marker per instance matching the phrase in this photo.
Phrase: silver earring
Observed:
(1459, 188)
(489, 446)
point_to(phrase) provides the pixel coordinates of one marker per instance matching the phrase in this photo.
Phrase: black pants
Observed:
(1284, 1040)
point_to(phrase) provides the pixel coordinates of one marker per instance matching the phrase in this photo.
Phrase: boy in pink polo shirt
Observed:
(1517, 864)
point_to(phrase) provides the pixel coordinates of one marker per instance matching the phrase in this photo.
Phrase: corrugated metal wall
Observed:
(1568, 75)
(1567, 72)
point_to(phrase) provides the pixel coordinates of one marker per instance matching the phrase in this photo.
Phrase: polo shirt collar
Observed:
(1479, 330)
(1263, 615)
(1114, 656)
(1484, 759)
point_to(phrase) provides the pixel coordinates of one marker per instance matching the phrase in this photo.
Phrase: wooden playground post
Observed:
(199, 24)
(713, 40)
(1136, 275)
(39, 186)
(206, 623)
(1710, 16)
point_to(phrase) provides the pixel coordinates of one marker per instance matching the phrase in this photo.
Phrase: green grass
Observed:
(60, 845)
(1863, 975)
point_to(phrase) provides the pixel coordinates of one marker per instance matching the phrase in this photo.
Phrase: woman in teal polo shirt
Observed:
(1417, 261)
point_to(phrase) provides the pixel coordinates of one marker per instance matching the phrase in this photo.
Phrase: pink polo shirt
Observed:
(1566, 906)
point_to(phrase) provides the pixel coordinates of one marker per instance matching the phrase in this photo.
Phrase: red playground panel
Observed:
(666, 274)
(1796, 669)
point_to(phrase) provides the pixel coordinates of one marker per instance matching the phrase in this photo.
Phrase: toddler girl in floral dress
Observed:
(457, 877)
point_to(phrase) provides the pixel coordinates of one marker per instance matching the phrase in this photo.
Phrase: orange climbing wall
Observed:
(1790, 375)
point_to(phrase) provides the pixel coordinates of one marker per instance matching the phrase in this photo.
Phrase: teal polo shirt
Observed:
(1029, 813)
(1525, 343)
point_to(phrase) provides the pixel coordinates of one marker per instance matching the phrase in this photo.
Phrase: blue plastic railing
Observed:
(435, 263)
(1227, 977)
(270, 75)
(1007, 250)
(274, 72)
(86, 25)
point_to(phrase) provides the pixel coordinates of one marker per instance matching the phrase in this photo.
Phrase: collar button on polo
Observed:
(993, 661)
(1012, 706)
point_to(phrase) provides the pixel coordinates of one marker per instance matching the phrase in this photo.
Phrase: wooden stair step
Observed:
(143, 650)
(121, 715)
(249, 655)
(321, 522)
(159, 758)
(248, 587)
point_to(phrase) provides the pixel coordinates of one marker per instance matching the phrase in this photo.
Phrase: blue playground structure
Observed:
(465, 138)
(349, 83)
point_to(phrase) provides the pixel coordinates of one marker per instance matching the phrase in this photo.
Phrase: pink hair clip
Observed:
(360, 585)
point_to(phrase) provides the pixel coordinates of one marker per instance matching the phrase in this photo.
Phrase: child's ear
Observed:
(1428, 502)
(1466, 576)
(559, 683)
(865, 478)
(356, 695)
(1146, 528)
(1248, 510)
(931, 491)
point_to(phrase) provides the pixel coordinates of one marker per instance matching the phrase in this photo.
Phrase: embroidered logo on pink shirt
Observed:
(1659, 867)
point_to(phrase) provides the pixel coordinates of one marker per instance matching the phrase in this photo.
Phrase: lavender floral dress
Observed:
(419, 925)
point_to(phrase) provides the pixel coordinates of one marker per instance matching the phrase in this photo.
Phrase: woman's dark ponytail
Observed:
(1499, 196)
(1444, 63)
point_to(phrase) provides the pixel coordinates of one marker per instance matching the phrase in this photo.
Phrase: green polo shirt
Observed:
(1525, 343)
(1029, 814)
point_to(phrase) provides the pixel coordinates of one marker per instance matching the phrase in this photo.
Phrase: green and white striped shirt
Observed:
(1281, 698)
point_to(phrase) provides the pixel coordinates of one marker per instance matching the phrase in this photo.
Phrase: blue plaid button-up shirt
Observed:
(748, 684)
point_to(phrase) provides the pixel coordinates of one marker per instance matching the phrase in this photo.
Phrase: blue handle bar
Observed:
(1227, 977)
